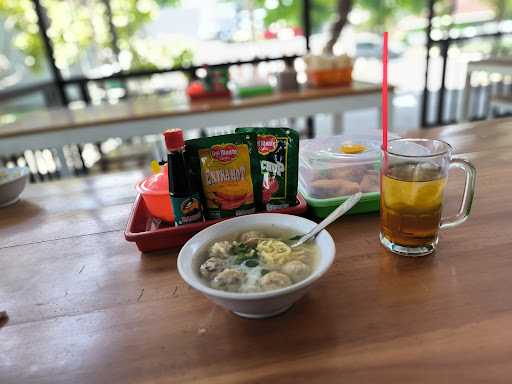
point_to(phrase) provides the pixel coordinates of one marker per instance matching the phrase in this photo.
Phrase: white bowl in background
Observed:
(12, 183)
(259, 304)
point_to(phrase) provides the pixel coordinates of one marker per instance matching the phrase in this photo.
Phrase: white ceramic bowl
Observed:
(12, 183)
(259, 304)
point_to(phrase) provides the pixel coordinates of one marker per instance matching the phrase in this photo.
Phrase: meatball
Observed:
(229, 280)
(212, 267)
(274, 280)
(251, 238)
(370, 183)
(296, 270)
(220, 249)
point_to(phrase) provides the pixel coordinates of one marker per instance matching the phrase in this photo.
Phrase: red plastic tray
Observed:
(151, 234)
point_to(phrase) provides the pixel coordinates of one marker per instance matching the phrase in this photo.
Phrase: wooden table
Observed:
(86, 307)
(137, 117)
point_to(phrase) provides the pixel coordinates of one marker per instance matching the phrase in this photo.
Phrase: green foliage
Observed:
(128, 16)
(78, 27)
(382, 12)
(167, 3)
(503, 8)
(147, 53)
(73, 35)
(20, 17)
(289, 12)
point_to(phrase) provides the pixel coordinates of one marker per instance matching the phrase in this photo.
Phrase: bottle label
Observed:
(186, 209)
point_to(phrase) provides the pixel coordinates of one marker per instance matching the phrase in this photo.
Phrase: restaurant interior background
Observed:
(79, 52)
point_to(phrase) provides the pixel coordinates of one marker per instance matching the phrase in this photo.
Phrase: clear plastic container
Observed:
(332, 168)
(337, 166)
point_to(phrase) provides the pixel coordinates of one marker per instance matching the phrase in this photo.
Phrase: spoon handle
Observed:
(340, 211)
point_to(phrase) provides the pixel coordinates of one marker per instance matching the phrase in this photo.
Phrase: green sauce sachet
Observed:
(278, 152)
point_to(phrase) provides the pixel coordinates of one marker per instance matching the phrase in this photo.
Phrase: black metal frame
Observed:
(42, 22)
(428, 32)
(306, 21)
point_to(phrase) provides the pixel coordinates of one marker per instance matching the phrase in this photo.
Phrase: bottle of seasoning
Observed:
(185, 198)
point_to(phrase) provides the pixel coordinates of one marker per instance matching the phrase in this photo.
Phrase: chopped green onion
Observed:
(244, 257)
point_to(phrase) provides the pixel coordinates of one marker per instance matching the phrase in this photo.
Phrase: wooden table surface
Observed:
(155, 107)
(86, 307)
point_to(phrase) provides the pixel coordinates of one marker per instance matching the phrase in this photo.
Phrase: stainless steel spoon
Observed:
(337, 213)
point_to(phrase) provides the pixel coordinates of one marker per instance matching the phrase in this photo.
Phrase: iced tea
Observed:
(411, 203)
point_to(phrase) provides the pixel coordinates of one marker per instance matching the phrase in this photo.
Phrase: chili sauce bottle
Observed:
(185, 199)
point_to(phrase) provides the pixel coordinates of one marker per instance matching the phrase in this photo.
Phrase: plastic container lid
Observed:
(333, 149)
(156, 184)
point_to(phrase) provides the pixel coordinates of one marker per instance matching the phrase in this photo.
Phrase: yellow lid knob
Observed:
(155, 168)
(352, 149)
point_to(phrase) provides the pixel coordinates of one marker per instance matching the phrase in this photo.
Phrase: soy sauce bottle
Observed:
(185, 198)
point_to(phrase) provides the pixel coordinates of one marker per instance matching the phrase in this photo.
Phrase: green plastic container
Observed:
(370, 202)
(253, 91)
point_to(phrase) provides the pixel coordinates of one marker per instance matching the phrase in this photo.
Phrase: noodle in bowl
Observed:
(255, 302)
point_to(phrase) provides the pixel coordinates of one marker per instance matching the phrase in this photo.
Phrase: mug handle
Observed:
(467, 196)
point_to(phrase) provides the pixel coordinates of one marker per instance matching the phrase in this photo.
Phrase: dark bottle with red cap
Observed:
(185, 199)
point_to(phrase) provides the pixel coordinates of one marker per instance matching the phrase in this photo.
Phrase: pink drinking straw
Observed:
(385, 93)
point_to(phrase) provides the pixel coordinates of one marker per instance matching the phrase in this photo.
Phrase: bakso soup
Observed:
(255, 261)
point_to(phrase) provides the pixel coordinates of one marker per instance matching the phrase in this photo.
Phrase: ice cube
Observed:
(425, 171)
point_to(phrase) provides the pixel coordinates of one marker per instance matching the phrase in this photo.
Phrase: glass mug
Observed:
(414, 173)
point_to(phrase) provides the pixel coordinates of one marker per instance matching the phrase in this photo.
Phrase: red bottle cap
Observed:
(174, 139)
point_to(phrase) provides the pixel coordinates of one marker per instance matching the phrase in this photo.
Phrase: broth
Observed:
(255, 261)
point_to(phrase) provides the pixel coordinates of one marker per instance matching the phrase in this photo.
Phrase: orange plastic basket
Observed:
(330, 77)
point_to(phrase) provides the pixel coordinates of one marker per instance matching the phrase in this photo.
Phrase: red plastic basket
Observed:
(151, 234)
(211, 95)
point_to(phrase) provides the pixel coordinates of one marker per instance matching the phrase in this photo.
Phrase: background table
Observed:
(61, 126)
(86, 307)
